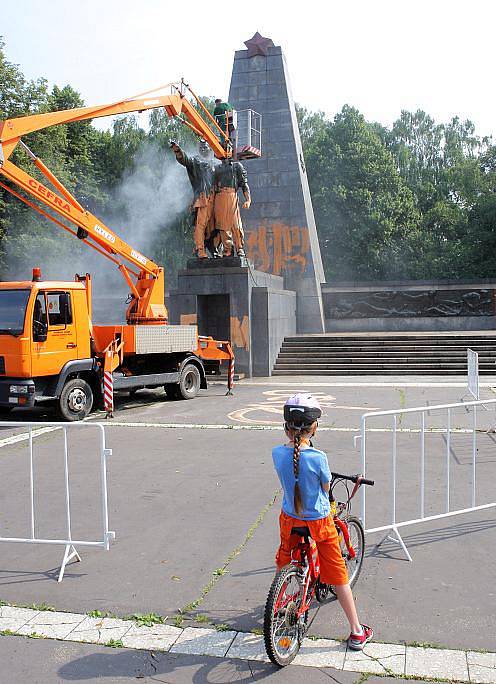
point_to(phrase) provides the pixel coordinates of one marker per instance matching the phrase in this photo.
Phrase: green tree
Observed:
(364, 209)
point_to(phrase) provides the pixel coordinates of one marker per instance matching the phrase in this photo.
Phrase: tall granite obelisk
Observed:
(281, 237)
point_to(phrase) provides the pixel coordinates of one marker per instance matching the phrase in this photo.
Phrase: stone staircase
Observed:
(386, 354)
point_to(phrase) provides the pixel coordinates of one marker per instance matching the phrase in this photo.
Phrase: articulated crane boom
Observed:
(147, 305)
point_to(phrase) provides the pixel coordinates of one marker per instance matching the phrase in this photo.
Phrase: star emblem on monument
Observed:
(258, 45)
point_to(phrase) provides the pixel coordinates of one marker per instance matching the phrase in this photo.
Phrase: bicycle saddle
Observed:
(301, 531)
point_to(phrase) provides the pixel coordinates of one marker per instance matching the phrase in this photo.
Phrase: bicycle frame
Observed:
(306, 563)
(302, 556)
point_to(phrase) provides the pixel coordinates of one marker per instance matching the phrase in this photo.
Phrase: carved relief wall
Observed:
(410, 303)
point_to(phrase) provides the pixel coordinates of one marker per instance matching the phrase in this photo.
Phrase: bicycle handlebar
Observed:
(353, 478)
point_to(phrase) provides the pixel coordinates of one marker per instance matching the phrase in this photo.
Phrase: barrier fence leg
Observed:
(397, 540)
(68, 556)
(400, 541)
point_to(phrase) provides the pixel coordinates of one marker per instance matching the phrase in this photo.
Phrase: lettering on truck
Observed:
(57, 201)
(104, 233)
(139, 257)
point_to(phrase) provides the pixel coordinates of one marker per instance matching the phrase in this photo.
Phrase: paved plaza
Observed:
(194, 502)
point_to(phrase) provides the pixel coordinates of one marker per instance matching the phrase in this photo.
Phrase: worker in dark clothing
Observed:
(224, 115)
(201, 176)
(230, 176)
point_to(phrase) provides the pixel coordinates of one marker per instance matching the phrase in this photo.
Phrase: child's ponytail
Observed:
(298, 506)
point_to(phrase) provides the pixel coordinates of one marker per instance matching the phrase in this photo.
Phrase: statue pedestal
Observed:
(225, 262)
(229, 300)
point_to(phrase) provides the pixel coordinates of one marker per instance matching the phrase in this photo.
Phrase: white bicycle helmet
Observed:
(301, 410)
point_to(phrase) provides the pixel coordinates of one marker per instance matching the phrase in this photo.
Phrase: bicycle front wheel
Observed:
(283, 628)
(357, 541)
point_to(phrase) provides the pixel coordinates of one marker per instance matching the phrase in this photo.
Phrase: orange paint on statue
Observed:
(279, 248)
(189, 319)
(240, 332)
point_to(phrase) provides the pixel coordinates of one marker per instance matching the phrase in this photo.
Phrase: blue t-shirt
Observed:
(312, 474)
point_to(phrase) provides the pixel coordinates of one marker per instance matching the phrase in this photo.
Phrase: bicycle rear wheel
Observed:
(357, 540)
(283, 629)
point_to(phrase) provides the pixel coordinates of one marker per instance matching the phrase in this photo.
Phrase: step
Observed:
(381, 371)
(371, 360)
(470, 334)
(383, 352)
(416, 342)
(362, 366)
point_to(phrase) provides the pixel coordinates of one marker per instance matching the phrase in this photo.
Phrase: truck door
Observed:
(53, 332)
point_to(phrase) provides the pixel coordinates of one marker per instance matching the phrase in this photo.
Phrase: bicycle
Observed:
(295, 586)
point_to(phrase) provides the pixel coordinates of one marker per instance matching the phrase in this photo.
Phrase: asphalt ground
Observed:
(44, 662)
(195, 512)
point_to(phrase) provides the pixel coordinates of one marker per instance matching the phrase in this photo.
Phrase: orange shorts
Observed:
(324, 533)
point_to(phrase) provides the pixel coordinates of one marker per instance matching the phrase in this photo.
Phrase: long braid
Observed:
(296, 462)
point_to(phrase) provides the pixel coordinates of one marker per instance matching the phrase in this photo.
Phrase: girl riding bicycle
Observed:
(305, 478)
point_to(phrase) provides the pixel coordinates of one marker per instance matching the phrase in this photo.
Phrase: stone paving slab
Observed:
(436, 662)
(201, 641)
(52, 625)
(321, 653)
(99, 630)
(481, 667)
(12, 618)
(248, 647)
(377, 658)
(159, 637)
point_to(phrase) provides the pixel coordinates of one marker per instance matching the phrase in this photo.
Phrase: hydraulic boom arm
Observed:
(147, 304)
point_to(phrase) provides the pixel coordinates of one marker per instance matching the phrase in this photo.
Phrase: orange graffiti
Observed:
(240, 332)
(278, 248)
(189, 319)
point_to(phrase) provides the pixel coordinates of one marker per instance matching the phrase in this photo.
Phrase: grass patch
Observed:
(42, 607)
(98, 614)
(177, 620)
(115, 643)
(147, 620)
(424, 644)
(202, 618)
(222, 627)
(223, 570)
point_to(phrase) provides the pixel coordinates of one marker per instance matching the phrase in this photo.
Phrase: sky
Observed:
(380, 56)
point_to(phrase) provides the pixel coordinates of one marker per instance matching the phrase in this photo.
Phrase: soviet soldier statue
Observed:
(230, 176)
(201, 176)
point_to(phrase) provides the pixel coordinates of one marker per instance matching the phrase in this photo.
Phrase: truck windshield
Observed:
(12, 311)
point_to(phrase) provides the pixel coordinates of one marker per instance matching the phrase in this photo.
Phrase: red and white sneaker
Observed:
(357, 641)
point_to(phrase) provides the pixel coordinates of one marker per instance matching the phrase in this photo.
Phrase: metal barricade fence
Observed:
(32, 431)
(473, 373)
(394, 524)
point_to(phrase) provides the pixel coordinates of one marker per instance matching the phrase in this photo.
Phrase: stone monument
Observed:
(276, 291)
(280, 233)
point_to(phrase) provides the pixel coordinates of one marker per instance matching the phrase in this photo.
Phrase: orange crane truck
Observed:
(50, 351)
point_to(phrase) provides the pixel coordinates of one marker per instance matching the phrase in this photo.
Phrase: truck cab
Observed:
(44, 335)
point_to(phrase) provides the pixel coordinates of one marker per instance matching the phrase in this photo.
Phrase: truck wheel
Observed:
(76, 400)
(189, 382)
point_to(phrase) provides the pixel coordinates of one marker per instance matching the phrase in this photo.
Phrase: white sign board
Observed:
(473, 373)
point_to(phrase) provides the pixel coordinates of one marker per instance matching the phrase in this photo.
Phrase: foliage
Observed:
(148, 619)
(93, 164)
(416, 200)
(363, 206)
